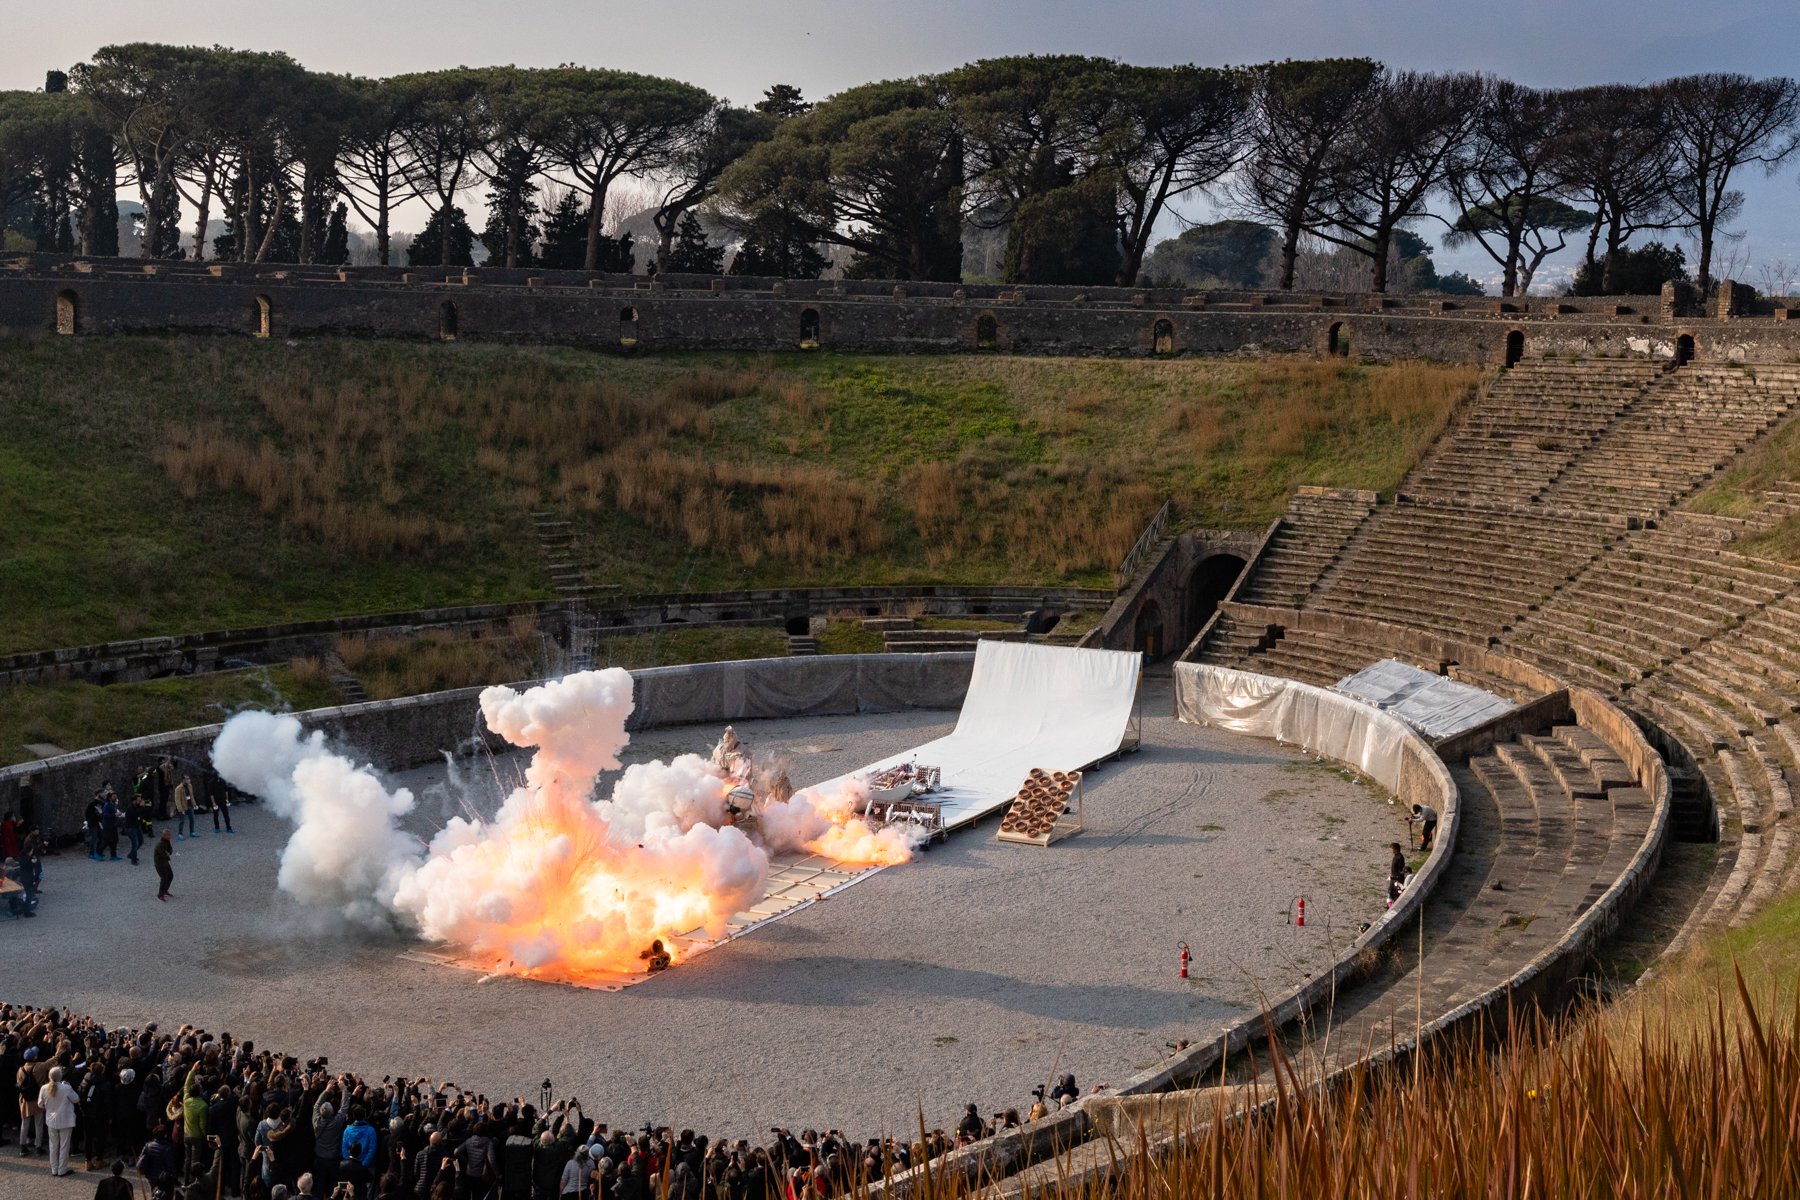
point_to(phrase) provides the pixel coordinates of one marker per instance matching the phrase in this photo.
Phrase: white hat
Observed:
(128, 1076)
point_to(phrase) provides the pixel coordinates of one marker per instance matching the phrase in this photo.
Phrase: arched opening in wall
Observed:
(259, 317)
(1337, 340)
(447, 321)
(1162, 337)
(797, 626)
(987, 332)
(1207, 586)
(628, 326)
(1684, 349)
(809, 329)
(66, 306)
(1515, 347)
(1147, 633)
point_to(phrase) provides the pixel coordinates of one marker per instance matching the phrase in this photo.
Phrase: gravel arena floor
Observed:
(971, 974)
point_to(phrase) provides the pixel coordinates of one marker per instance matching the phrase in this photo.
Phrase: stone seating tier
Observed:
(1548, 823)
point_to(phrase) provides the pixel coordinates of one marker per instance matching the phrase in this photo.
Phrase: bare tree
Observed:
(1718, 123)
(1394, 155)
(1616, 156)
(1301, 110)
(1504, 183)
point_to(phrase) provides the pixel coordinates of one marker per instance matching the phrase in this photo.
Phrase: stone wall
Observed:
(400, 734)
(224, 649)
(628, 314)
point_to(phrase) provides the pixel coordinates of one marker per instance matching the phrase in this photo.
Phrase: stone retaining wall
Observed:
(401, 734)
(197, 653)
(626, 314)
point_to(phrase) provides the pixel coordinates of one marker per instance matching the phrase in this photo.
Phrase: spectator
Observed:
(59, 1102)
(32, 1139)
(114, 1186)
(138, 827)
(328, 1145)
(110, 818)
(359, 1138)
(218, 795)
(165, 868)
(156, 1164)
(90, 826)
(399, 1139)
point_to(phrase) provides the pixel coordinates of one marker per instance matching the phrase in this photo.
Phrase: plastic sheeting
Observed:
(1054, 707)
(1435, 706)
(793, 687)
(1324, 722)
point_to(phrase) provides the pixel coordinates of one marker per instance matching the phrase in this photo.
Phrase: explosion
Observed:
(557, 885)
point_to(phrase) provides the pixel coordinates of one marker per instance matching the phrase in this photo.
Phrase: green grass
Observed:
(679, 646)
(967, 624)
(851, 637)
(1737, 492)
(405, 475)
(74, 716)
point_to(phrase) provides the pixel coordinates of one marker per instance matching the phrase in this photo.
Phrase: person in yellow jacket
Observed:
(186, 808)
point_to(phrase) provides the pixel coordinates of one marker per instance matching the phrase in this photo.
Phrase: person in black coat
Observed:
(165, 867)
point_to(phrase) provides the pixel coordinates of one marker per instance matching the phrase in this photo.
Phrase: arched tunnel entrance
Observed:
(1211, 580)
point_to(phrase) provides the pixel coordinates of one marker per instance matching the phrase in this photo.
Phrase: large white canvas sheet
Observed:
(1054, 707)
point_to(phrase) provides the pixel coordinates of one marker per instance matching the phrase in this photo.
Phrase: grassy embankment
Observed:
(172, 485)
(1738, 493)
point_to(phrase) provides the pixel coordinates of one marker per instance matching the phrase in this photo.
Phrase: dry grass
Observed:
(1710, 1113)
(438, 660)
(750, 465)
(170, 485)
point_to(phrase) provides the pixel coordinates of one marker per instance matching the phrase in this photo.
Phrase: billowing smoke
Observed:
(347, 853)
(557, 885)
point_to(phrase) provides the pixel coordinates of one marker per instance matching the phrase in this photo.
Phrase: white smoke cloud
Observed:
(347, 853)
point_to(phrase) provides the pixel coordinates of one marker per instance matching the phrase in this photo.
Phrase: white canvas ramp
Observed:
(1435, 706)
(1055, 707)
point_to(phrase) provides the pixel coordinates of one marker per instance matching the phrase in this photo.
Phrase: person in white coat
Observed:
(59, 1102)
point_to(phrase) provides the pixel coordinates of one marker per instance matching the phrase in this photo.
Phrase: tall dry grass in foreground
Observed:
(1674, 1110)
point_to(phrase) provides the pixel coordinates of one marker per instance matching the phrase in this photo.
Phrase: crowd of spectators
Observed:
(192, 1115)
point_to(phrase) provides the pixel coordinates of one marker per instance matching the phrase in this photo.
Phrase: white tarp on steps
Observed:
(1435, 706)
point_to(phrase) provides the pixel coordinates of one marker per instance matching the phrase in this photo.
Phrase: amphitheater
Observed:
(1640, 792)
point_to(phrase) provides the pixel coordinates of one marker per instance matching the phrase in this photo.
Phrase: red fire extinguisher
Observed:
(1301, 921)
(1185, 957)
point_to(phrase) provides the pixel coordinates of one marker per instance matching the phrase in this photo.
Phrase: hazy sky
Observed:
(735, 48)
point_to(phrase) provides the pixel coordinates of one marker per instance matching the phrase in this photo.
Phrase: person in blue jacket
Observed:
(359, 1137)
